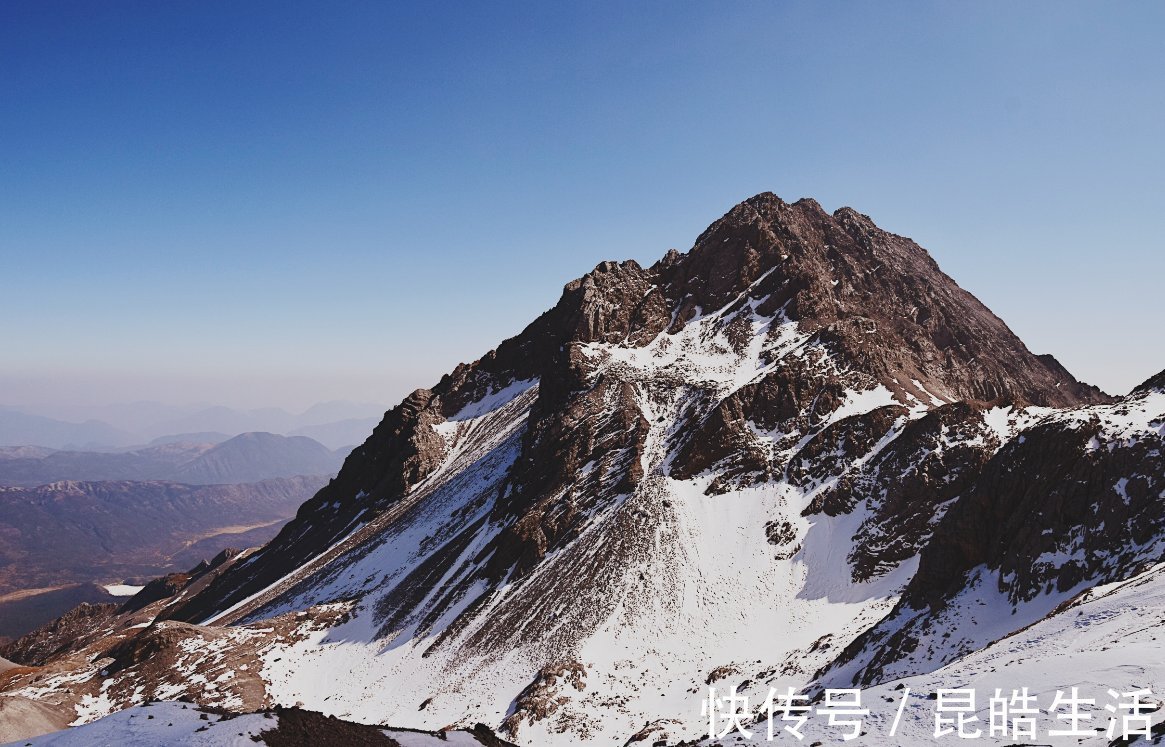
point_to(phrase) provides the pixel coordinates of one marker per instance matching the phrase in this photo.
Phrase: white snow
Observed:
(1108, 638)
(123, 590)
(175, 724)
(698, 588)
(934, 400)
(419, 739)
(701, 352)
(861, 402)
(163, 723)
(494, 400)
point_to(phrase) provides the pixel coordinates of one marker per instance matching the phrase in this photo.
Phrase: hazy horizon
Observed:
(110, 389)
(52, 408)
(216, 202)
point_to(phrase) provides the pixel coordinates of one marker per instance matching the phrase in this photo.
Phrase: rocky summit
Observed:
(796, 455)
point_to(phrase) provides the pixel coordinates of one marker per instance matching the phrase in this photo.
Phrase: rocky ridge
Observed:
(785, 456)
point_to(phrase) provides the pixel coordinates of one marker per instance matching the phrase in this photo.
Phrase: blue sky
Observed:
(261, 203)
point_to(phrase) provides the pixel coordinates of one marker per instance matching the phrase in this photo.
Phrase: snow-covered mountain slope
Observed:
(1076, 500)
(1108, 638)
(177, 724)
(729, 468)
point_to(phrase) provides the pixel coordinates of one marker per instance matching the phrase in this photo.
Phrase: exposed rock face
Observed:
(1156, 383)
(546, 694)
(90, 624)
(171, 584)
(1077, 500)
(298, 728)
(875, 309)
(880, 299)
(909, 483)
(796, 440)
(40, 645)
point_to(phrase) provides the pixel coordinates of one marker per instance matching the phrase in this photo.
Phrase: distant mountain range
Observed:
(72, 520)
(71, 532)
(59, 542)
(248, 457)
(22, 429)
(258, 456)
(335, 424)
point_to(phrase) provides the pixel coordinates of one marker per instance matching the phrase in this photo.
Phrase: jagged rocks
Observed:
(875, 305)
(37, 647)
(737, 454)
(783, 534)
(299, 728)
(1069, 501)
(1074, 501)
(171, 584)
(545, 695)
(907, 484)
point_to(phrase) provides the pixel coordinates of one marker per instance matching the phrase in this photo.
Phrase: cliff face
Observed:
(868, 308)
(778, 458)
(1075, 501)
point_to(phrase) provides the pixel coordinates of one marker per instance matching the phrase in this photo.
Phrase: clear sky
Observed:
(277, 203)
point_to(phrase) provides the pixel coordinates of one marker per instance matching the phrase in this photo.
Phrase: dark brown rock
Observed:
(873, 310)
(37, 647)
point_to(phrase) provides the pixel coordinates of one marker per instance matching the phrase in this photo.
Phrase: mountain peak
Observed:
(849, 216)
(869, 311)
(775, 431)
(840, 274)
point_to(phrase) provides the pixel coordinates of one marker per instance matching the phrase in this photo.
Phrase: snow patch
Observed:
(123, 590)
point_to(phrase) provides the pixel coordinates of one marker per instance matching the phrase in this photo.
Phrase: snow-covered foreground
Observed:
(162, 723)
(711, 596)
(173, 724)
(1112, 638)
